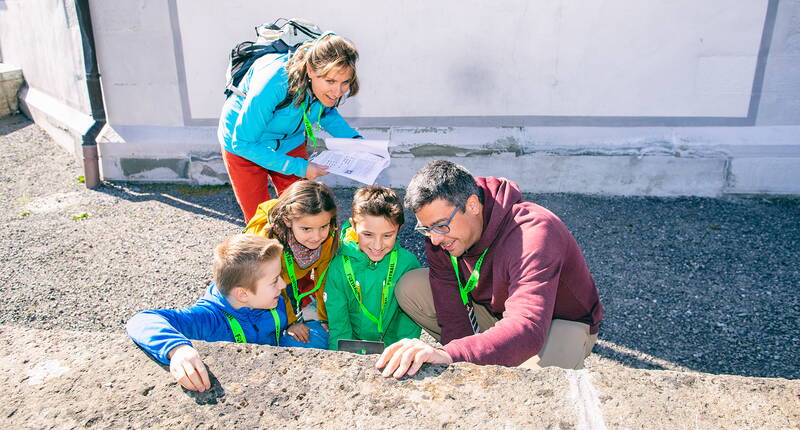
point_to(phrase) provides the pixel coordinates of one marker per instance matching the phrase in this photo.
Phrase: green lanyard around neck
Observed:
(356, 287)
(309, 128)
(473, 277)
(238, 333)
(289, 260)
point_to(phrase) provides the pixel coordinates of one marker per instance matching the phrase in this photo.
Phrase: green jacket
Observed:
(345, 319)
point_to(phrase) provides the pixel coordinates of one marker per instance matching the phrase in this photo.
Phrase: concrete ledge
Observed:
(161, 154)
(71, 379)
(611, 175)
(10, 83)
(647, 161)
(764, 175)
(63, 123)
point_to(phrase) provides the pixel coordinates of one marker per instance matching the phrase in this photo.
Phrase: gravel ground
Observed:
(698, 284)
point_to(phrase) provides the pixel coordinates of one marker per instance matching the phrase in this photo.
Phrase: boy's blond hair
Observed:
(238, 258)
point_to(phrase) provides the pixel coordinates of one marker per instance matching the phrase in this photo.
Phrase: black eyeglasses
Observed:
(442, 228)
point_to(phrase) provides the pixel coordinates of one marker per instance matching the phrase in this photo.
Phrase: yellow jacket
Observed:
(259, 225)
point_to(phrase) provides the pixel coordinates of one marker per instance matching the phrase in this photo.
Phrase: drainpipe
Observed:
(91, 164)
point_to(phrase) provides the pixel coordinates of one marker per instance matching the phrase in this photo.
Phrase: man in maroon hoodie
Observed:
(507, 283)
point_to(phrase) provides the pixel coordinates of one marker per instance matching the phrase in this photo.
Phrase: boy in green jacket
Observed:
(361, 279)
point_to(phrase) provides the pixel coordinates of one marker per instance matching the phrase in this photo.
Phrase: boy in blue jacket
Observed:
(243, 304)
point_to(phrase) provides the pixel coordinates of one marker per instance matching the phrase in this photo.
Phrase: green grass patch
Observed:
(80, 216)
(26, 213)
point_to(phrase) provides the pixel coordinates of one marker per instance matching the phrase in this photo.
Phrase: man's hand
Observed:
(187, 368)
(299, 332)
(407, 356)
(325, 327)
(314, 170)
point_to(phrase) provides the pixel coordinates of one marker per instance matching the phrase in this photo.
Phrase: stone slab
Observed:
(757, 175)
(11, 81)
(64, 379)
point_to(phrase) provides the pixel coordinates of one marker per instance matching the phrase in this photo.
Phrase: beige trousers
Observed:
(568, 342)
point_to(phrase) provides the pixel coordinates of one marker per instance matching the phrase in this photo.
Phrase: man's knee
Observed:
(568, 344)
(413, 288)
(415, 298)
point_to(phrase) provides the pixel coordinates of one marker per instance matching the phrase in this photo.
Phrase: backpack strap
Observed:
(242, 58)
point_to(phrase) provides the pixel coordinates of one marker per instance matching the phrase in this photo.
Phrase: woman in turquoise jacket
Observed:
(360, 289)
(287, 96)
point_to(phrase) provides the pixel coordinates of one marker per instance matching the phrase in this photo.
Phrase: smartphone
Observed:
(362, 347)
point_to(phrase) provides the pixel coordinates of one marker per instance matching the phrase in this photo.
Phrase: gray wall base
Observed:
(645, 161)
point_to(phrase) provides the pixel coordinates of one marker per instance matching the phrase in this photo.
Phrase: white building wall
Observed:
(615, 97)
(42, 38)
(515, 58)
(135, 44)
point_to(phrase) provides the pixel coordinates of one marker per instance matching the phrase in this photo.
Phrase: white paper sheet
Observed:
(361, 160)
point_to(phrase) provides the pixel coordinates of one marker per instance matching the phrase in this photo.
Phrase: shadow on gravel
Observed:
(13, 123)
(215, 201)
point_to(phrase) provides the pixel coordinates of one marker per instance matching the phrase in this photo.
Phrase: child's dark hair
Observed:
(302, 198)
(376, 200)
(238, 258)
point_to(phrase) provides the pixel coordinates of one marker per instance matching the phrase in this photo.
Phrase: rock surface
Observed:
(64, 379)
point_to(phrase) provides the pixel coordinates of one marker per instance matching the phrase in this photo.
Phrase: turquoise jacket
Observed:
(252, 128)
(345, 318)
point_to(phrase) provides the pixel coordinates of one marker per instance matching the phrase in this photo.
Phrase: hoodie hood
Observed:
(215, 297)
(499, 197)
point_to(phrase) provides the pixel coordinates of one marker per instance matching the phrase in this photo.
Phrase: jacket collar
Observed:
(214, 295)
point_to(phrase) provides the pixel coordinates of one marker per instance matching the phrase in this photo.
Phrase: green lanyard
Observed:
(287, 258)
(473, 277)
(238, 333)
(309, 128)
(356, 287)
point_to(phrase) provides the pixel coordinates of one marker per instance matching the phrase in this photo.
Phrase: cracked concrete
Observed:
(66, 379)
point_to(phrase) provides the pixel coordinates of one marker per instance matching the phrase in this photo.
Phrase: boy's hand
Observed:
(407, 356)
(185, 365)
(299, 332)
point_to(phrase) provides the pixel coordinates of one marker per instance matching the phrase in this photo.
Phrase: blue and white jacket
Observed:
(158, 331)
(252, 128)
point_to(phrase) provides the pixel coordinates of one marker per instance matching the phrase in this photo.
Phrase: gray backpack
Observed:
(271, 39)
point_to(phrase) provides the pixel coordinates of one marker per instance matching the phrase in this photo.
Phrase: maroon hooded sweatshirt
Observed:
(533, 272)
